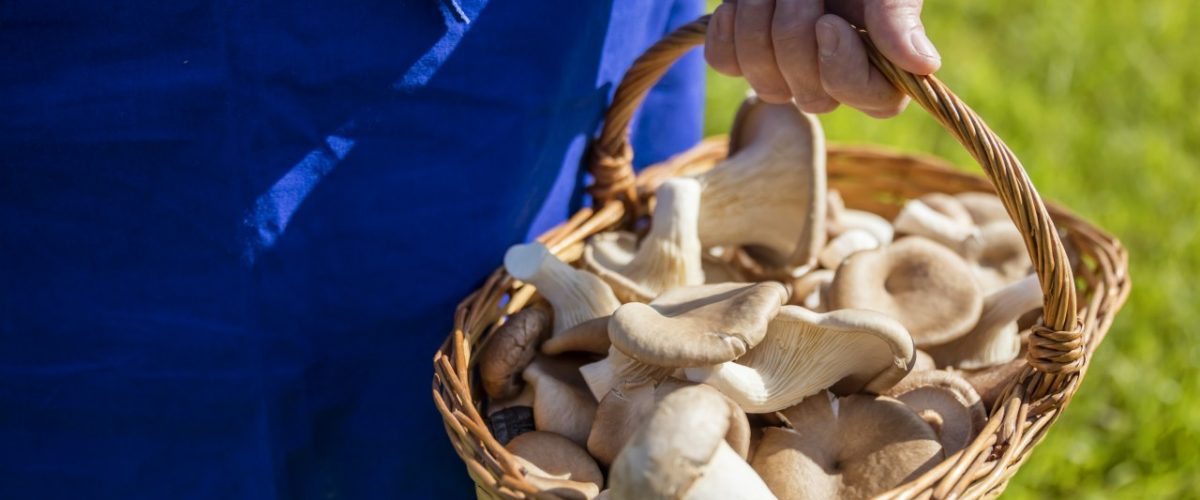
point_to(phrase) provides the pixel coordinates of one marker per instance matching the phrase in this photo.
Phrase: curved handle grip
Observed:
(1055, 346)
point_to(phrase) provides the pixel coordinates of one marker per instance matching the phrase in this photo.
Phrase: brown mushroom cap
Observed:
(698, 325)
(991, 382)
(558, 456)
(947, 402)
(925, 286)
(589, 336)
(869, 445)
(561, 403)
(510, 349)
(620, 413)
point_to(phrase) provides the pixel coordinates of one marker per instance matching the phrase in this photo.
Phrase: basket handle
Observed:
(1056, 344)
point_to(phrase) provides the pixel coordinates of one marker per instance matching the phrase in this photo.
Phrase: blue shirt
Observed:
(233, 233)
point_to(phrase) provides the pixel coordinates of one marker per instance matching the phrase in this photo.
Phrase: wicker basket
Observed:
(1080, 303)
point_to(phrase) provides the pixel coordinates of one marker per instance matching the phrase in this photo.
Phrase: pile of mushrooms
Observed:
(761, 339)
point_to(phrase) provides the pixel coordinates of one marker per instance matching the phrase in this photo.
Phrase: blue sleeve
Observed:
(232, 234)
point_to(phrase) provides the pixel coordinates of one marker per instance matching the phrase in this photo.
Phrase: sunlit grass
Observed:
(1099, 99)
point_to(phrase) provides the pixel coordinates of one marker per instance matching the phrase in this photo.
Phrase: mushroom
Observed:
(576, 296)
(509, 350)
(1001, 257)
(924, 362)
(555, 464)
(991, 382)
(810, 290)
(845, 245)
(698, 325)
(995, 339)
(805, 352)
(861, 447)
(984, 208)
(919, 219)
(947, 402)
(669, 255)
(626, 406)
(680, 452)
(768, 195)
(561, 403)
(718, 269)
(925, 286)
(617, 368)
(590, 336)
(509, 418)
(949, 206)
(842, 219)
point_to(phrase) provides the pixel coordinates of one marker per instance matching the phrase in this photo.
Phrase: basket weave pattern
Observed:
(1080, 303)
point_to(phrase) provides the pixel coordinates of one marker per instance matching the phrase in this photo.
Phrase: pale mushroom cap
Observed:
(870, 445)
(879, 227)
(995, 338)
(805, 352)
(697, 326)
(770, 192)
(620, 414)
(984, 208)
(576, 296)
(668, 257)
(680, 452)
(1001, 258)
(561, 401)
(925, 286)
(589, 336)
(557, 456)
(919, 219)
(991, 382)
(510, 349)
(545, 482)
(810, 289)
(948, 402)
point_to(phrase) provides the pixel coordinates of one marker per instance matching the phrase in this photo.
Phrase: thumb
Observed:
(896, 29)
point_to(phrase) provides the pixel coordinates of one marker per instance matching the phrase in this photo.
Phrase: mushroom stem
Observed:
(575, 295)
(669, 255)
(715, 486)
(601, 376)
(919, 219)
(994, 339)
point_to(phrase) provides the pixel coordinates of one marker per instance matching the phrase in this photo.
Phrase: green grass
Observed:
(1099, 99)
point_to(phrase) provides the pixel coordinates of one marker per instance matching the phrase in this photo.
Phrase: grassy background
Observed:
(1099, 99)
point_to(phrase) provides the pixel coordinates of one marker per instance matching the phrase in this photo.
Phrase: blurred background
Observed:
(1098, 99)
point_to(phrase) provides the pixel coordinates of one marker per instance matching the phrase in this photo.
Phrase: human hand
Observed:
(807, 50)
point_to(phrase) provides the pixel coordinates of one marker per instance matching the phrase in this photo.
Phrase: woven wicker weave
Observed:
(1080, 303)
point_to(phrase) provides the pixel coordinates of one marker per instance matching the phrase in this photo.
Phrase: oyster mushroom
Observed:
(509, 350)
(1000, 258)
(590, 336)
(842, 219)
(624, 409)
(984, 208)
(561, 402)
(994, 340)
(845, 245)
(925, 286)
(576, 296)
(668, 257)
(680, 452)
(805, 352)
(862, 447)
(509, 418)
(949, 206)
(697, 326)
(555, 464)
(768, 195)
(947, 402)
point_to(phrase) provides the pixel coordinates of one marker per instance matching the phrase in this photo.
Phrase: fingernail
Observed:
(923, 46)
(827, 39)
(724, 28)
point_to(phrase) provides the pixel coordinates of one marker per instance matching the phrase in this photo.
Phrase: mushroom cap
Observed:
(719, 270)
(680, 446)
(925, 286)
(697, 325)
(805, 352)
(947, 402)
(1001, 258)
(589, 336)
(917, 218)
(809, 290)
(984, 208)
(869, 445)
(995, 339)
(510, 349)
(512, 417)
(924, 362)
(617, 368)
(991, 382)
(848, 219)
(770, 192)
(561, 401)
(846, 244)
(618, 416)
(558, 456)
